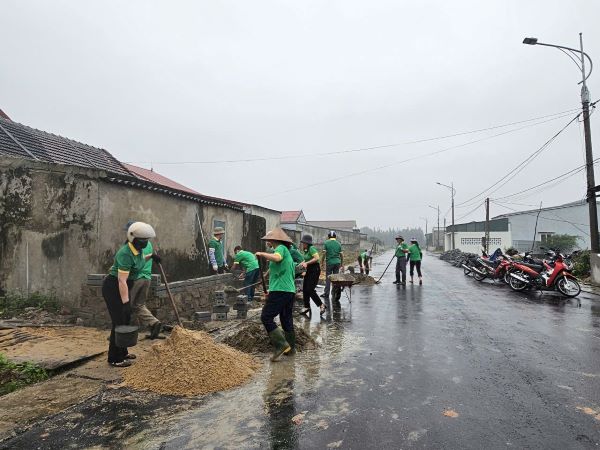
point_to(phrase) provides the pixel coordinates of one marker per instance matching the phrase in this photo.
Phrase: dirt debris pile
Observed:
(365, 280)
(251, 337)
(190, 363)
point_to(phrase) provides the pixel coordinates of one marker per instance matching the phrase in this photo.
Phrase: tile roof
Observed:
(290, 216)
(150, 175)
(335, 224)
(21, 141)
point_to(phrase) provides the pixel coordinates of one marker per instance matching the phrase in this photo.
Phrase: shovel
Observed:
(388, 266)
(262, 277)
(162, 272)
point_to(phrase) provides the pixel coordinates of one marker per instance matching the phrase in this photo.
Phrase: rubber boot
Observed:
(278, 340)
(290, 337)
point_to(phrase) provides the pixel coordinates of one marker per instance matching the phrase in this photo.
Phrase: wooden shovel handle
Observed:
(162, 272)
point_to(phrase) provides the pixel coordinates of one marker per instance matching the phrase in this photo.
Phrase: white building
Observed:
(519, 229)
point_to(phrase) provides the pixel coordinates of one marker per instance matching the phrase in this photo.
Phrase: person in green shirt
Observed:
(139, 293)
(128, 263)
(401, 260)
(216, 252)
(415, 255)
(312, 264)
(363, 262)
(333, 257)
(249, 263)
(281, 293)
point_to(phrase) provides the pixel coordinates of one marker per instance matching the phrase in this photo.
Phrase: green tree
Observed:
(563, 242)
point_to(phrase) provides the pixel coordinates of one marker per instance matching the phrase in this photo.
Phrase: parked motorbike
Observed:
(549, 274)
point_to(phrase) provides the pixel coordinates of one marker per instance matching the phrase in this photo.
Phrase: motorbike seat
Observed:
(536, 267)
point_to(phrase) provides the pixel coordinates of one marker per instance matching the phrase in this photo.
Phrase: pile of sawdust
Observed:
(252, 338)
(190, 363)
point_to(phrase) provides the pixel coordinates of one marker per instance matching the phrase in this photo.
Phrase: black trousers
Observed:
(330, 270)
(313, 272)
(416, 264)
(401, 269)
(112, 297)
(278, 304)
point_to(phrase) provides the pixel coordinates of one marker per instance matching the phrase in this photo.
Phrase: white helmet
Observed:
(140, 230)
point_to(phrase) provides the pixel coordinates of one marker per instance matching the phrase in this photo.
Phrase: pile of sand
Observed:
(190, 363)
(251, 337)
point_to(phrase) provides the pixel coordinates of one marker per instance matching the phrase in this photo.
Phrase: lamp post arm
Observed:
(576, 51)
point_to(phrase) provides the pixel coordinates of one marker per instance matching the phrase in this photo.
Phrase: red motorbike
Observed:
(495, 270)
(550, 274)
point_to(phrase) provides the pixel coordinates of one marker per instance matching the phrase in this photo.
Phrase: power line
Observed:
(563, 175)
(549, 117)
(516, 170)
(544, 217)
(385, 166)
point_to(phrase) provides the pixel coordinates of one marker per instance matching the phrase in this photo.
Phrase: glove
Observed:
(215, 267)
(157, 259)
(226, 267)
(127, 313)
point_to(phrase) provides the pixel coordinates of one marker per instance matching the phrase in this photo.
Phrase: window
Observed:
(478, 241)
(544, 236)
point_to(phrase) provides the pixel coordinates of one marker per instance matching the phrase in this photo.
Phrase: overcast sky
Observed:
(175, 81)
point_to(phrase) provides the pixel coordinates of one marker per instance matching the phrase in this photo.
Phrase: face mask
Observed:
(140, 244)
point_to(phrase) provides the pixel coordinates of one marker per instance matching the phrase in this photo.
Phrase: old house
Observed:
(64, 205)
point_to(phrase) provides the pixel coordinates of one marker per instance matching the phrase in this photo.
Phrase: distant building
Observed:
(348, 233)
(519, 230)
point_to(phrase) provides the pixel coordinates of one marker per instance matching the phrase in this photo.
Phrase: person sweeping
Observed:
(401, 260)
(363, 262)
(312, 265)
(281, 293)
(415, 256)
(128, 263)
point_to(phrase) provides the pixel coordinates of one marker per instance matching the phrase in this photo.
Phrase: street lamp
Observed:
(438, 227)
(452, 193)
(585, 104)
(425, 219)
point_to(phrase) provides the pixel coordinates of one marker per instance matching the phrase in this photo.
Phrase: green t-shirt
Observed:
(414, 252)
(310, 253)
(363, 256)
(282, 273)
(332, 250)
(399, 253)
(297, 257)
(128, 260)
(247, 260)
(218, 246)
(146, 272)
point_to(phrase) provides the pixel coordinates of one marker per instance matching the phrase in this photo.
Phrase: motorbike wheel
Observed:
(518, 285)
(479, 276)
(568, 287)
(506, 277)
(467, 271)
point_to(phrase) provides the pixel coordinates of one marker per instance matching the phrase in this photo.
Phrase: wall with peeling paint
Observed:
(60, 223)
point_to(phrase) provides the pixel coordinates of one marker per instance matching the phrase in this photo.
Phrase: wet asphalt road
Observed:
(450, 364)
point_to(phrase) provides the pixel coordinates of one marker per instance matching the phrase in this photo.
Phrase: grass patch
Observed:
(14, 303)
(14, 376)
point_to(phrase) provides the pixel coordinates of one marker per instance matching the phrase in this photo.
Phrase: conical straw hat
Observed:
(277, 234)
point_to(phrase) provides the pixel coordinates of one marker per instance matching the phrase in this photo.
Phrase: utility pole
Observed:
(453, 243)
(437, 239)
(444, 249)
(589, 158)
(487, 226)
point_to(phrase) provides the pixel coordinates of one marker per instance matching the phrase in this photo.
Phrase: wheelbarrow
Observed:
(339, 281)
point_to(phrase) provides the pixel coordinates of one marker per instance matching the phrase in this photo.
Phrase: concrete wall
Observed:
(60, 223)
(470, 241)
(189, 296)
(272, 217)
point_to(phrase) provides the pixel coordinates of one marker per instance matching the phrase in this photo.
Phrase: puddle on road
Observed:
(263, 409)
